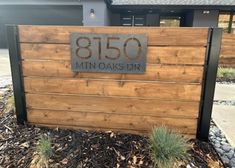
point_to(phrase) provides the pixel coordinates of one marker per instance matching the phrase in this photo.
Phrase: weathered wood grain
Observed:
(138, 132)
(228, 39)
(113, 105)
(171, 73)
(170, 91)
(156, 35)
(104, 120)
(227, 53)
(155, 55)
(227, 62)
(228, 50)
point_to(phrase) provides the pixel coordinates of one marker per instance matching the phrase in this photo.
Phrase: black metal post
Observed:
(16, 72)
(230, 23)
(209, 82)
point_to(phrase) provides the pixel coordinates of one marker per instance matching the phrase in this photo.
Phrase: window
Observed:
(227, 22)
(133, 20)
(170, 21)
(139, 20)
(126, 20)
(233, 25)
(224, 20)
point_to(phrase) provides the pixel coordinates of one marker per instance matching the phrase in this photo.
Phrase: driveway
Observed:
(5, 70)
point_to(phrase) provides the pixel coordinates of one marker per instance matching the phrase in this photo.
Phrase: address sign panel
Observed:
(113, 53)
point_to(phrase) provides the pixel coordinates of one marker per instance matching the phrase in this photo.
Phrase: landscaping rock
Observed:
(1, 105)
(230, 155)
(5, 81)
(224, 140)
(217, 145)
(232, 162)
(224, 143)
(222, 146)
(226, 148)
(219, 150)
(225, 102)
(225, 81)
(225, 159)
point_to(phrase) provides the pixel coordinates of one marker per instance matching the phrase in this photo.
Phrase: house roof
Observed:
(175, 2)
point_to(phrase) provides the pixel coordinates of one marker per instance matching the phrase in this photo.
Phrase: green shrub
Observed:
(44, 150)
(226, 73)
(167, 147)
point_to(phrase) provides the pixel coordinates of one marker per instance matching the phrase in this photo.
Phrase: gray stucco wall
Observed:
(52, 12)
(38, 15)
(205, 20)
(102, 17)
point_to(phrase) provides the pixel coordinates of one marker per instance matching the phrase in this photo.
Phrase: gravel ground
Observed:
(225, 81)
(225, 102)
(4, 81)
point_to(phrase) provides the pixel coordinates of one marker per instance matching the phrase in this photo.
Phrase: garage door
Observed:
(38, 15)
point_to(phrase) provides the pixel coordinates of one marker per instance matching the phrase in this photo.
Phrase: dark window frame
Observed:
(133, 16)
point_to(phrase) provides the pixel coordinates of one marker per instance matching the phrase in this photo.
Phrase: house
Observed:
(163, 13)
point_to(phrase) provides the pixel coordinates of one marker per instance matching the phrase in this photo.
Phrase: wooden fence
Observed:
(227, 56)
(169, 93)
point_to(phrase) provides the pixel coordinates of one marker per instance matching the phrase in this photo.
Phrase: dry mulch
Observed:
(88, 149)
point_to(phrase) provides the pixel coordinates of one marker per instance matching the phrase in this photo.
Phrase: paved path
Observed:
(224, 115)
(4, 63)
(224, 118)
(224, 92)
(5, 70)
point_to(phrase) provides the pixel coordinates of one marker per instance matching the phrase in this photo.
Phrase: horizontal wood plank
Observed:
(156, 35)
(167, 94)
(131, 122)
(228, 39)
(227, 62)
(155, 55)
(228, 51)
(170, 73)
(152, 90)
(113, 105)
(107, 130)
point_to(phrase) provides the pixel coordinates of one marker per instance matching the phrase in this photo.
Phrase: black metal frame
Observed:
(208, 87)
(16, 72)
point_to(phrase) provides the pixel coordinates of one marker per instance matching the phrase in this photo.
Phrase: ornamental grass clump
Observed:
(44, 151)
(167, 147)
(226, 73)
